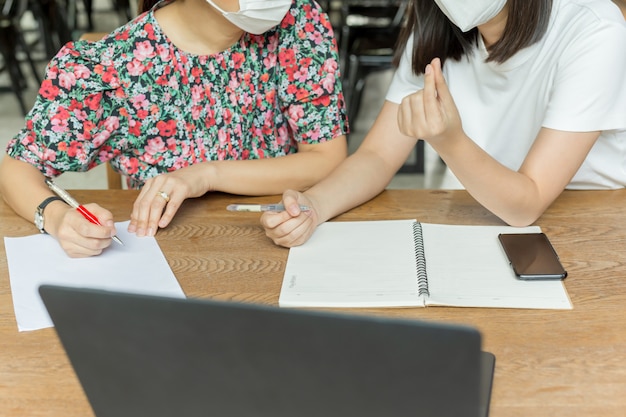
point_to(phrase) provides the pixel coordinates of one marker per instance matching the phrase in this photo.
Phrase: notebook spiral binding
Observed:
(420, 260)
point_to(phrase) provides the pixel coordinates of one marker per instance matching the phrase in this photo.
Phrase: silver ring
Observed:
(164, 195)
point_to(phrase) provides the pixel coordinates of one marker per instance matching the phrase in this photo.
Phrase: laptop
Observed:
(141, 355)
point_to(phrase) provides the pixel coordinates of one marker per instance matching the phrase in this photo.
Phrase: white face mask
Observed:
(467, 14)
(256, 16)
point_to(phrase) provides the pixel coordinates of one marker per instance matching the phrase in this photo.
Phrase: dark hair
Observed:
(145, 5)
(436, 36)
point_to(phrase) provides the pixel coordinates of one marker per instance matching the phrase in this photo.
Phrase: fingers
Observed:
(104, 216)
(411, 116)
(80, 238)
(429, 113)
(443, 93)
(288, 231)
(273, 220)
(293, 226)
(291, 201)
(432, 107)
(157, 203)
(84, 248)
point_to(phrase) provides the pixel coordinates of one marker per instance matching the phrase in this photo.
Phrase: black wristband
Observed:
(47, 201)
(39, 219)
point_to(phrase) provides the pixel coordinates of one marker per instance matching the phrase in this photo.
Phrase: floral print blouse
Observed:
(138, 101)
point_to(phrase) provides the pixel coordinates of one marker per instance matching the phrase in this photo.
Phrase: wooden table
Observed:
(549, 363)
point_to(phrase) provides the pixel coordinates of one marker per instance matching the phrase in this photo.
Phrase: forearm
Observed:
(510, 195)
(367, 172)
(22, 186)
(298, 171)
(519, 197)
(360, 178)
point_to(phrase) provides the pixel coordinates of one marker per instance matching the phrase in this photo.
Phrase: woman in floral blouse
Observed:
(183, 100)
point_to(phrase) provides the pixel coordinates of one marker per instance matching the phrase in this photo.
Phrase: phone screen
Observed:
(532, 256)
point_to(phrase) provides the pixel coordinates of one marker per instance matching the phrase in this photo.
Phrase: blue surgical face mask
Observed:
(256, 16)
(467, 14)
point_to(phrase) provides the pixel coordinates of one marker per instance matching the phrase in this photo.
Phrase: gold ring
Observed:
(164, 195)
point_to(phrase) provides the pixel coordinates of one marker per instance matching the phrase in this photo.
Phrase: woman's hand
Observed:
(78, 237)
(430, 114)
(161, 197)
(293, 226)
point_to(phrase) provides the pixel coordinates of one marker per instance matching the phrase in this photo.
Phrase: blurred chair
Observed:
(122, 7)
(54, 28)
(12, 43)
(58, 20)
(115, 180)
(369, 31)
(325, 4)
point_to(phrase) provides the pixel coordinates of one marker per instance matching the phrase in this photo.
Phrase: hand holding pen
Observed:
(74, 204)
(293, 222)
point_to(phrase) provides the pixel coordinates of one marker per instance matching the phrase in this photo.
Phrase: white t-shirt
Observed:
(573, 79)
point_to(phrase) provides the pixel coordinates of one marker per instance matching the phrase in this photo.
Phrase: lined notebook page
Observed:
(353, 264)
(467, 267)
(372, 264)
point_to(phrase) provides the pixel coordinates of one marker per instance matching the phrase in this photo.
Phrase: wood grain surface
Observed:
(548, 363)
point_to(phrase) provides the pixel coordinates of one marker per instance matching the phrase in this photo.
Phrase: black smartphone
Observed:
(532, 256)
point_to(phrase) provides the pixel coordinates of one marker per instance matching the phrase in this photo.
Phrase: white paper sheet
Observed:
(137, 267)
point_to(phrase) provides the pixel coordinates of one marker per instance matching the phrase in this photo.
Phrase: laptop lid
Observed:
(155, 356)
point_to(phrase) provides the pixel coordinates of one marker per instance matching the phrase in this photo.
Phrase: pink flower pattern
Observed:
(137, 101)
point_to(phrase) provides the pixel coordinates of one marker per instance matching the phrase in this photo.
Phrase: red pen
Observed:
(74, 204)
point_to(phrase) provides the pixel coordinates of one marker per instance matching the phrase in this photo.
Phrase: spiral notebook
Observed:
(405, 263)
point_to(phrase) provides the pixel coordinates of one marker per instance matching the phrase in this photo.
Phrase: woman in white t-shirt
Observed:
(520, 98)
